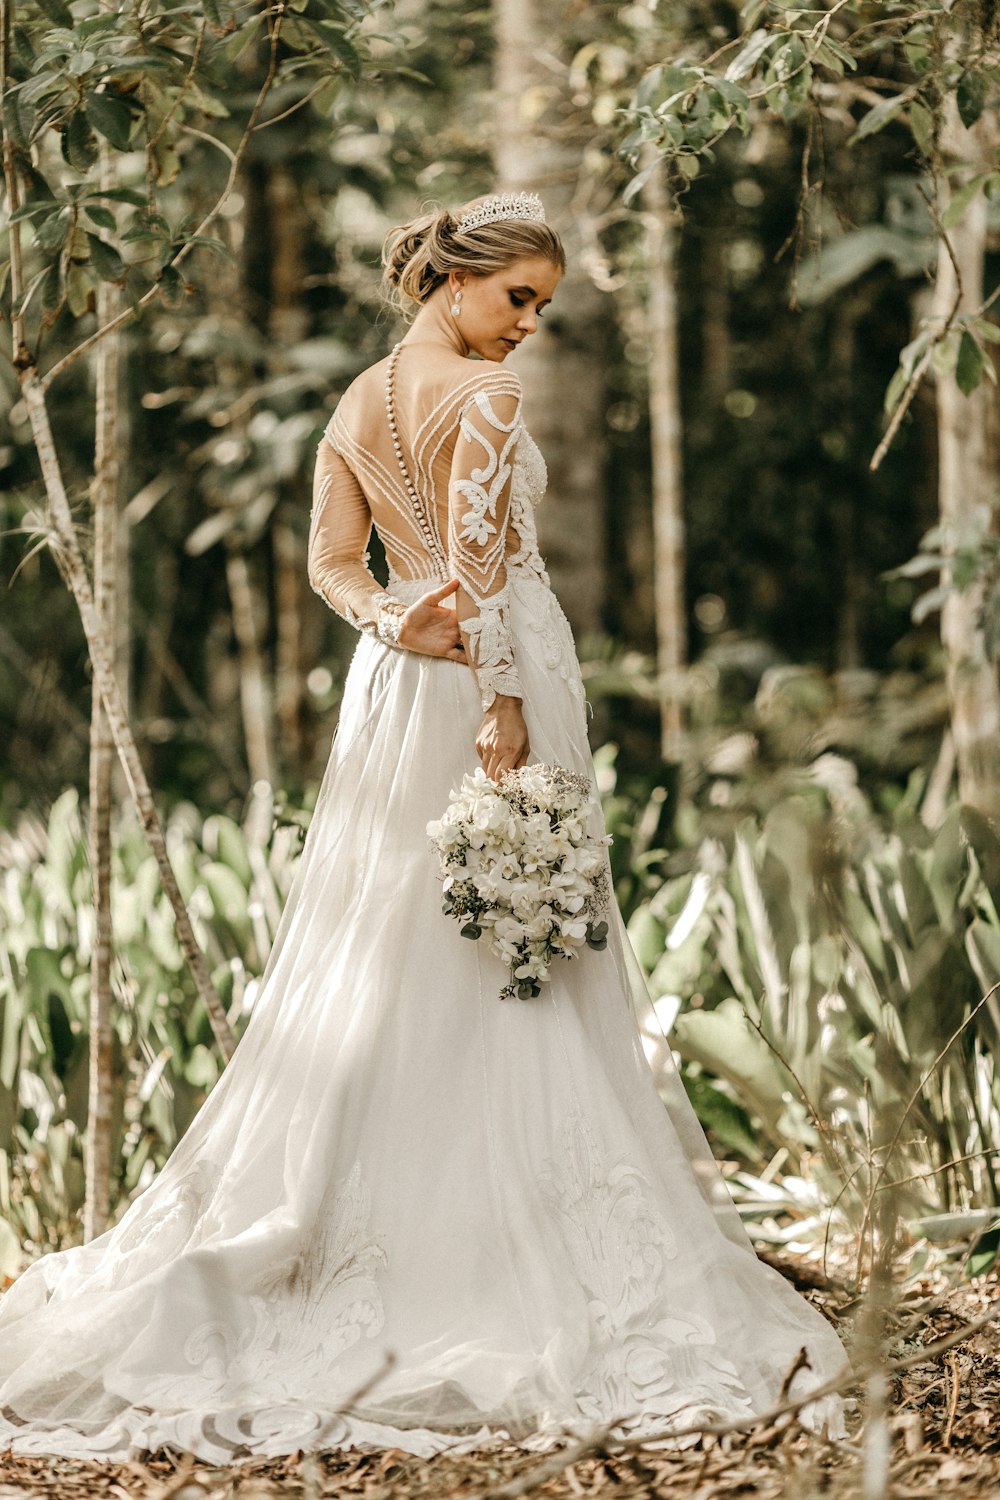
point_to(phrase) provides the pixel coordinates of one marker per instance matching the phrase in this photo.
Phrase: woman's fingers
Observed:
(436, 595)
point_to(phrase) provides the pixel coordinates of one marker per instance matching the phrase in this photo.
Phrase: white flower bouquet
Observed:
(521, 870)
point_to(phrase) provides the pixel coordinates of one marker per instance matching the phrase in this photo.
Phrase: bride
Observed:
(411, 1214)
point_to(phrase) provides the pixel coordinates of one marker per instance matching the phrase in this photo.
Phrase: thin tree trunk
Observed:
(67, 550)
(968, 483)
(288, 569)
(562, 366)
(102, 754)
(668, 493)
(255, 696)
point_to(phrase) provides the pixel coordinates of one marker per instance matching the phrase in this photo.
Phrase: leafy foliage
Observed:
(165, 1060)
(831, 984)
(153, 86)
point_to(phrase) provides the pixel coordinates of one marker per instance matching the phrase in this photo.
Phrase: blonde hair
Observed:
(418, 256)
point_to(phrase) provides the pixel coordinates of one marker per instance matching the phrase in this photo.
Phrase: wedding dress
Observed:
(411, 1214)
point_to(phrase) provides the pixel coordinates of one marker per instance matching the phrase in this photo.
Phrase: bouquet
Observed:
(521, 870)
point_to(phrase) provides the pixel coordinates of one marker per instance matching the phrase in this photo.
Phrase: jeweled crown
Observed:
(502, 206)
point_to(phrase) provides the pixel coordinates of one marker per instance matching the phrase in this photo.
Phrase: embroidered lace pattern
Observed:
(460, 456)
(649, 1359)
(479, 516)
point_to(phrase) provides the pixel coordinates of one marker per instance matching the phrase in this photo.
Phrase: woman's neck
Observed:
(434, 324)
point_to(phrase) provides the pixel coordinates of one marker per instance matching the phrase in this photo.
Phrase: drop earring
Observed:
(456, 306)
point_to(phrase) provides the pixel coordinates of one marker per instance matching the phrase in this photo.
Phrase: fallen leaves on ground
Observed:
(944, 1421)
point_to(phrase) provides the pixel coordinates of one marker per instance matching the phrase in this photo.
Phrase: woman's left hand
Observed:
(431, 627)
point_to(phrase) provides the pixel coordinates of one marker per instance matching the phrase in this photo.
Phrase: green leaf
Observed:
(969, 369)
(123, 195)
(79, 290)
(105, 259)
(959, 205)
(922, 128)
(877, 118)
(971, 95)
(746, 60)
(111, 116)
(25, 51)
(102, 217)
(51, 233)
(986, 330)
(172, 286)
(18, 118)
(336, 42)
(52, 288)
(984, 1256)
(58, 13)
(78, 144)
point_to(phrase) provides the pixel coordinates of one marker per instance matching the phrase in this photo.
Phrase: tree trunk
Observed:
(67, 551)
(562, 366)
(968, 482)
(255, 693)
(102, 755)
(665, 443)
(289, 569)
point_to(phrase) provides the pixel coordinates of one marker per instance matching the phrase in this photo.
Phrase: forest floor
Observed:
(942, 1432)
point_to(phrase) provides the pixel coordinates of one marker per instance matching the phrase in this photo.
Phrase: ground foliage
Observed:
(941, 1417)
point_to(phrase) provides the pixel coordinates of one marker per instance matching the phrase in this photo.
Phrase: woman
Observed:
(411, 1214)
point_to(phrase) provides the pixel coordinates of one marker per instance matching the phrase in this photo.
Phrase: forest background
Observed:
(766, 397)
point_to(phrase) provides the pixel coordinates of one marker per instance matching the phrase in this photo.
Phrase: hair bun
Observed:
(419, 256)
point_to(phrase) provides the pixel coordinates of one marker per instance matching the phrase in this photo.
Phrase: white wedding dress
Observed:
(411, 1214)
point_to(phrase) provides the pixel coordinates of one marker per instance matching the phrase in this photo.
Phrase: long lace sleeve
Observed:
(339, 530)
(478, 521)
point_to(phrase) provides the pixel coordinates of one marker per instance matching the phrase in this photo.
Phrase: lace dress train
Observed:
(482, 1216)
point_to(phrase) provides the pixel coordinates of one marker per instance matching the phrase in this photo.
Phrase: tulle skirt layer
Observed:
(411, 1214)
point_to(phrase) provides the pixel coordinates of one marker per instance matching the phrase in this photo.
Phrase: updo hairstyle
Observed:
(418, 256)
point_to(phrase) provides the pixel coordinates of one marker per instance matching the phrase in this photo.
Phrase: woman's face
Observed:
(500, 310)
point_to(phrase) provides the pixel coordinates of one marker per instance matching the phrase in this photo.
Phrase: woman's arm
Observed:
(479, 494)
(339, 532)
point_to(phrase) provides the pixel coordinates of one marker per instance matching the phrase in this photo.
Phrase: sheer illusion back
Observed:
(459, 424)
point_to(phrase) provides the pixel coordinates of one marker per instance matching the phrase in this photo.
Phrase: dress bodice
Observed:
(463, 459)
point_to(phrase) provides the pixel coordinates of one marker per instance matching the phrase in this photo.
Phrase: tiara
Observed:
(503, 206)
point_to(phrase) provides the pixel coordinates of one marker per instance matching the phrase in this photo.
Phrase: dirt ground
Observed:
(940, 1436)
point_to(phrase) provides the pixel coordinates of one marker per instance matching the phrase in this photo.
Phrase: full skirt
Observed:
(411, 1214)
